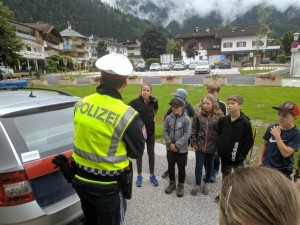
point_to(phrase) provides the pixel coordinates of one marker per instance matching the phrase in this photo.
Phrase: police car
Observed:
(35, 126)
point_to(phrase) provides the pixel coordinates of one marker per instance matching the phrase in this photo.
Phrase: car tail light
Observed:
(15, 189)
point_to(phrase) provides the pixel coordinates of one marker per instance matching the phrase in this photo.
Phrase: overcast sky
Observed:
(228, 9)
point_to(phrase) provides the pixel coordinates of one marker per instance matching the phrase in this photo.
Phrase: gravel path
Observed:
(150, 205)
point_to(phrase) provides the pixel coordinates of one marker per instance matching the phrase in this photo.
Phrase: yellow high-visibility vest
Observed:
(100, 122)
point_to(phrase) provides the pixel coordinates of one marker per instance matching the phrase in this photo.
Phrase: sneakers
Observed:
(214, 176)
(216, 200)
(195, 190)
(171, 187)
(180, 190)
(206, 189)
(165, 174)
(153, 180)
(139, 181)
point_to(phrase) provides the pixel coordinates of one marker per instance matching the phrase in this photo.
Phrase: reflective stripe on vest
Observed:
(98, 117)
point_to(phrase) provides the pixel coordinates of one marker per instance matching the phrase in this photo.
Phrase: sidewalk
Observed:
(150, 205)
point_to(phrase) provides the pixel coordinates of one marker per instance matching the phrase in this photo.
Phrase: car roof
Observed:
(16, 101)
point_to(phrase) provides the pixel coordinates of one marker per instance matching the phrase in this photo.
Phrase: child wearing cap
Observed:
(176, 131)
(188, 109)
(235, 137)
(281, 140)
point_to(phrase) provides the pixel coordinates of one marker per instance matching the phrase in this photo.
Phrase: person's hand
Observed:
(195, 148)
(259, 162)
(275, 131)
(173, 147)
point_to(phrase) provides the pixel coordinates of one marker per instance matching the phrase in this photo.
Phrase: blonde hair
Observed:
(259, 196)
(148, 83)
(213, 87)
(216, 110)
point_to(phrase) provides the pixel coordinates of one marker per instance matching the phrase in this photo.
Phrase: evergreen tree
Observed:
(153, 43)
(101, 49)
(9, 43)
(173, 47)
(191, 49)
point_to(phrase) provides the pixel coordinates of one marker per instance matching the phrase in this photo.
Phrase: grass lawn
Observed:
(258, 102)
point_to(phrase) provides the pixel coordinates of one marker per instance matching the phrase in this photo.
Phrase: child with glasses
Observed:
(176, 131)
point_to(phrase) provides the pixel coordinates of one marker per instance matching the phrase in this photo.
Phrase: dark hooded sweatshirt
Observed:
(235, 139)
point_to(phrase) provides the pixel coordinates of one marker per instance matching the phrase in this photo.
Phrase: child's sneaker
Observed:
(153, 180)
(206, 189)
(195, 190)
(180, 190)
(139, 181)
(214, 176)
(171, 187)
(165, 174)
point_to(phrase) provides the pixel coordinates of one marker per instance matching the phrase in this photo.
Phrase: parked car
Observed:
(35, 126)
(265, 61)
(212, 64)
(225, 64)
(179, 65)
(166, 66)
(154, 67)
(202, 67)
(140, 65)
(192, 65)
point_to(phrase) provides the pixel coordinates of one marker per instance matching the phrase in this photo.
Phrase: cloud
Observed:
(179, 10)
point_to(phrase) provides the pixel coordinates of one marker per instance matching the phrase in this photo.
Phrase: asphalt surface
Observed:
(150, 205)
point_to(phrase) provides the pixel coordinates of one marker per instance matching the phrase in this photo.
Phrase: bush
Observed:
(281, 58)
(152, 60)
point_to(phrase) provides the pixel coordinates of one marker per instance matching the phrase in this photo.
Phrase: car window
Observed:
(202, 63)
(52, 129)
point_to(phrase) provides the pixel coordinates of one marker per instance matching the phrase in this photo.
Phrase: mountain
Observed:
(279, 22)
(128, 19)
(86, 16)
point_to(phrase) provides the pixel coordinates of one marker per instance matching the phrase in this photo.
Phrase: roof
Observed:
(69, 32)
(20, 100)
(222, 33)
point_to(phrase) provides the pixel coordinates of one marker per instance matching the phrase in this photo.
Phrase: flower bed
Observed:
(171, 80)
(222, 80)
(268, 80)
(134, 80)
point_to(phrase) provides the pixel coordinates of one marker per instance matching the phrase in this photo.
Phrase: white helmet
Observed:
(115, 63)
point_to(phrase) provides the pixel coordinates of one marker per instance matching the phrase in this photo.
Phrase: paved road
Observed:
(188, 77)
(151, 206)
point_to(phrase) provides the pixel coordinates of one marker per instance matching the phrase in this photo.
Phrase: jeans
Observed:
(227, 169)
(180, 159)
(101, 204)
(151, 156)
(201, 159)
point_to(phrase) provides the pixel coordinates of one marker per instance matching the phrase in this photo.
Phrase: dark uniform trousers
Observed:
(101, 204)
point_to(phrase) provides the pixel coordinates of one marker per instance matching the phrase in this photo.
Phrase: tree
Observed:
(173, 47)
(101, 49)
(285, 42)
(191, 49)
(153, 43)
(263, 30)
(9, 43)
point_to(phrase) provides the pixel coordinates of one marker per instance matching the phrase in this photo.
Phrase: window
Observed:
(216, 46)
(227, 45)
(255, 43)
(28, 48)
(241, 44)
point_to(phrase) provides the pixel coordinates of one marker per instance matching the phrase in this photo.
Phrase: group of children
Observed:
(214, 136)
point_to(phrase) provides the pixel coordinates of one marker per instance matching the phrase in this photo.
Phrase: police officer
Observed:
(107, 132)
